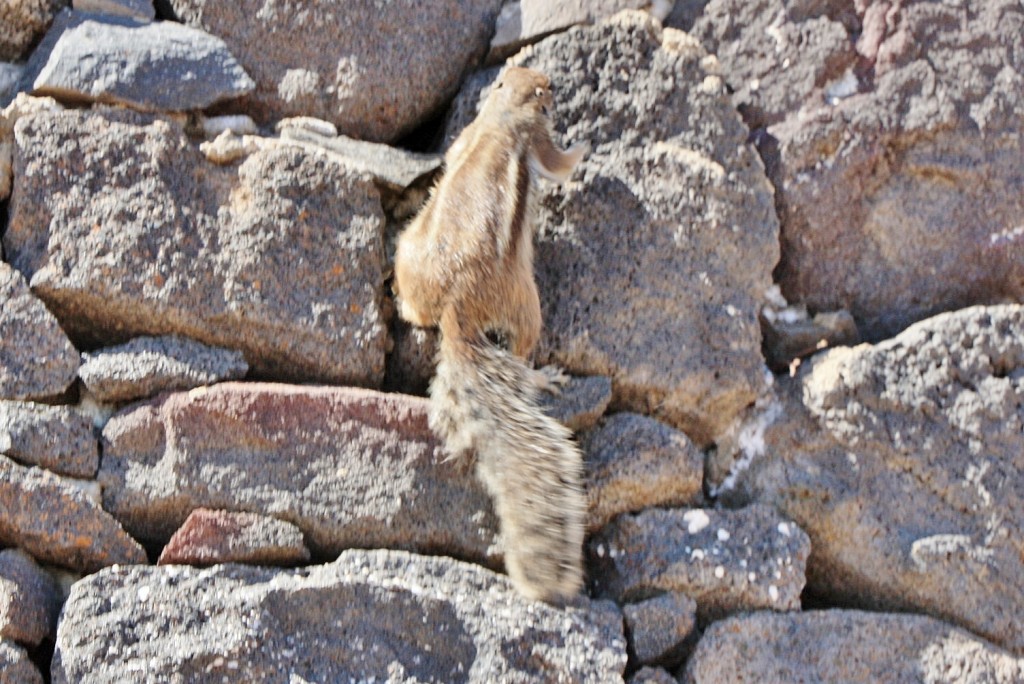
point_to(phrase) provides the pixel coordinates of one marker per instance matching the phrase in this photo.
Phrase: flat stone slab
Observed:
(37, 360)
(146, 366)
(279, 257)
(152, 66)
(210, 537)
(57, 521)
(348, 467)
(57, 438)
(727, 561)
(369, 616)
(846, 646)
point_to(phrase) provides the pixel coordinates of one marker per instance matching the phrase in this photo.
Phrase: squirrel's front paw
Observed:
(551, 379)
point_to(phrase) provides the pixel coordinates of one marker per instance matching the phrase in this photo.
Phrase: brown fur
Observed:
(465, 264)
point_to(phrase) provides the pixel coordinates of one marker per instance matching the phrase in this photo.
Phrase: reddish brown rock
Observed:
(348, 467)
(633, 462)
(209, 537)
(29, 600)
(57, 521)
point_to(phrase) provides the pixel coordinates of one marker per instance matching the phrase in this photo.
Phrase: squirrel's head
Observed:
(518, 87)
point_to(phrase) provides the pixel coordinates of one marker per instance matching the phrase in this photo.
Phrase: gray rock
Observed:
(146, 366)
(652, 675)
(57, 438)
(16, 667)
(888, 126)
(393, 168)
(29, 599)
(22, 22)
(846, 646)
(210, 537)
(727, 561)
(10, 76)
(369, 616)
(526, 21)
(653, 260)
(633, 462)
(279, 257)
(904, 463)
(376, 70)
(659, 628)
(153, 66)
(37, 361)
(58, 521)
(348, 467)
(138, 9)
(580, 403)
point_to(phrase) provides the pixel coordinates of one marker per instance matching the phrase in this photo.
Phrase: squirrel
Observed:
(465, 264)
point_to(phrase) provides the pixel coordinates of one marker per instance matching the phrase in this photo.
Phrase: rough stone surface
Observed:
(889, 124)
(16, 667)
(727, 561)
(659, 627)
(37, 361)
(57, 438)
(22, 22)
(58, 521)
(208, 537)
(652, 675)
(349, 467)
(279, 257)
(139, 9)
(633, 462)
(580, 403)
(846, 646)
(527, 21)
(401, 617)
(903, 462)
(377, 73)
(146, 366)
(29, 599)
(654, 258)
(153, 66)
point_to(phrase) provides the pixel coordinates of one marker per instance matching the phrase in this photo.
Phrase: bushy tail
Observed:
(483, 400)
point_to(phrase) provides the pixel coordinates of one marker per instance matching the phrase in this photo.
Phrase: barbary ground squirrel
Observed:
(465, 264)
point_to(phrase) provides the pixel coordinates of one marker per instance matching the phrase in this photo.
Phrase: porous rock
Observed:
(279, 257)
(634, 462)
(348, 467)
(903, 462)
(138, 9)
(37, 360)
(653, 259)
(888, 124)
(57, 438)
(29, 600)
(146, 366)
(652, 675)
(153, 66)
(454, 622)
(22, 22)
(376, 70)
(580, 403)
(16, 667)
(209, 537)
(659, 627)
(727, 561)
(845, 646)
(58, 521)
